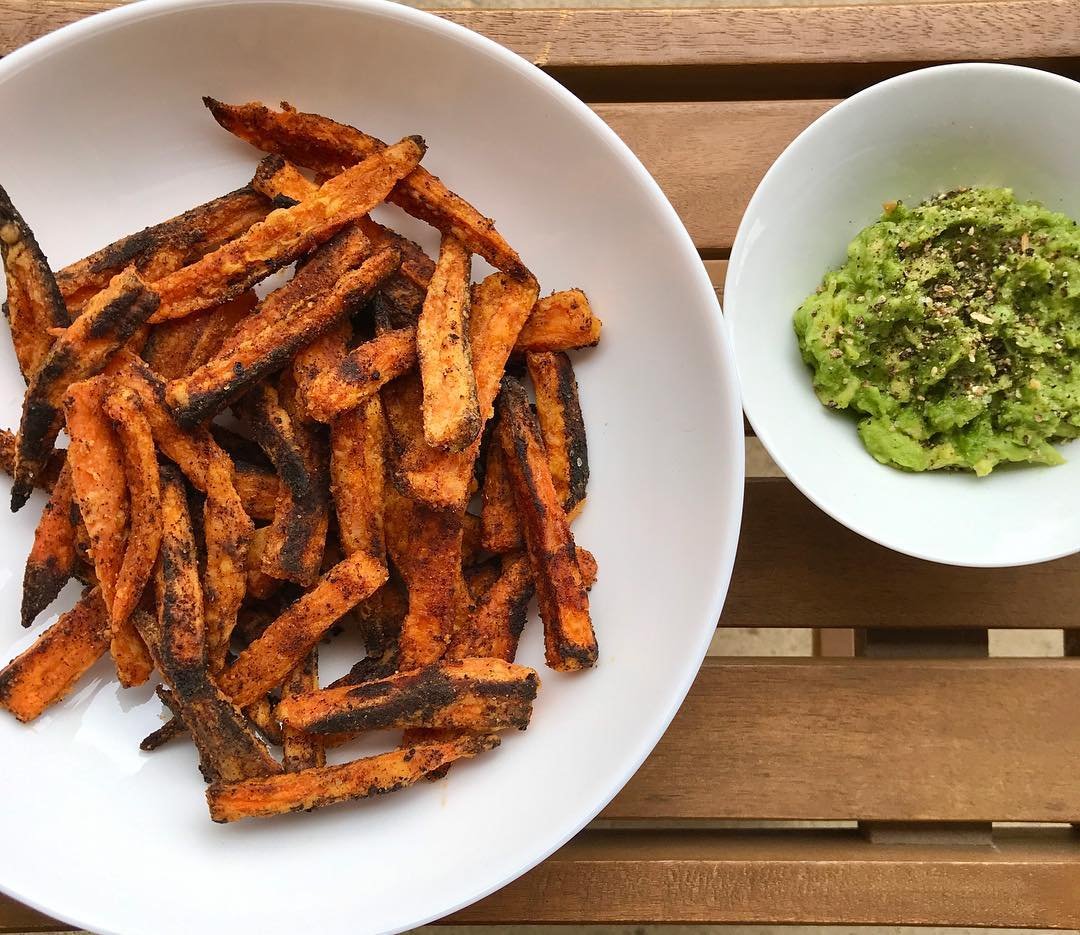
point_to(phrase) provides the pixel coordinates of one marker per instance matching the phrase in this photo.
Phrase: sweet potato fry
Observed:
(266, 662)
(48, 476)
(83, 351)
(451, 412)
(286, 234)
(562, 427)
(259, 584)
(498, 617)
(179, 593)
(294, 546)
(357, 477)
(569, 640)
(206, 391)
(299, 750)
(163, 248)
(176, 348)
(416, 266)
(279, 180)
(471, 546)
(326, 147)
(479, 695)
(363, 372)
(561, 322)
(34, 304)
(324, 353)
(381, 615)
(52, 557)
(500, 306)
(49, 669)
(124, 410)
(425, 545)
(479, 578)
(499, 519)
(261, 714)
(328, 785)
(228, 532)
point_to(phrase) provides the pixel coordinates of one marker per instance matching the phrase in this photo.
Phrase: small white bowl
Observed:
(906, 138)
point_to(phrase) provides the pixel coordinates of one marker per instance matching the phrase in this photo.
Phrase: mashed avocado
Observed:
(953, 329)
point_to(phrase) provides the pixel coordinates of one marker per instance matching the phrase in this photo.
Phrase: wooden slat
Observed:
(796, 567)
(889, 740)
(826, 877)
(572, 38)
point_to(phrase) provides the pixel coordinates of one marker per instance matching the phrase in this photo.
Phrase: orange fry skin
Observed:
(328, 785)
(358, 476)
(499, 519)
(562, 321)
(48, 670)
(286, 234)
(52, 557)
(34, 303)
(266, 662)
(84, 349)
(569, 640)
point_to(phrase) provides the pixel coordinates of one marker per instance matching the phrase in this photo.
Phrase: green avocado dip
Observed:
(952, 330)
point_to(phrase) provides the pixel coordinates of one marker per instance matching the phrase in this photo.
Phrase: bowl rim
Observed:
(728, 407)
(766, 434)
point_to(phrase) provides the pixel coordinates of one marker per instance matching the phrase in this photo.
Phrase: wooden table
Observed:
(900, 733)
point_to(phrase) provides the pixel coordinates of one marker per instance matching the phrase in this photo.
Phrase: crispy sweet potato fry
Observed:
(48, 476)
(199, 396)
(122, 407)
(326, 147)
(84, 350)
(425, 545)
(357, 477)
(498, 617)
(300, 751)
(51, 561)
(363, 372)
(562, 427)
(261, 714)
(176, 348)
(569, 640)
(500, 306)
(328, 785)
(34, 304)
(259, 584)
(499, 519)
(451, 412)
(479, 578)
(163, 248)
(279, 180)
(228, 532)
(266, 662)
(49, 669)
(286, 234)
(325, 352)
(416, 266)
(479, 695)
(294, 546)
(561, 322)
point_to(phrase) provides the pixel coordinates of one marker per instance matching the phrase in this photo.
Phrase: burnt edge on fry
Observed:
(558, 408)
(52, 557)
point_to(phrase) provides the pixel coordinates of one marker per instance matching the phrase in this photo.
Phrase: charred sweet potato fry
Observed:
(49, 669)
(227, 530)
(206, 391)
(328, 785)
(83, 351)
(176, 348)
(381, 615)
(479, 695)
(561, 322)
(361, 373)
(326, 147)
(479, 578)
(499, 614)
(357, 477)
(416, 266)
(163, 248)
(52, 557)
(48, 476)
(425, 545)
(324, 353)
(34, 304)
(500, 306)
(562, 427)
(451, 411)
(299, 751)
(286, 234)
(179, 594)
(471, 546)
(266, 662)
(294, 546)
(499, 519)
(279, 180)
(569, 640)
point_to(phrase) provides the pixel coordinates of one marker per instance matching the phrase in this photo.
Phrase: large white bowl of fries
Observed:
(290, 464)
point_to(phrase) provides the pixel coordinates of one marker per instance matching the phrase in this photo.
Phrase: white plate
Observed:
(907, 138)
(105, 132)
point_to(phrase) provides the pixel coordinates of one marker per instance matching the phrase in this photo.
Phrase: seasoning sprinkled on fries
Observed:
(249, 473)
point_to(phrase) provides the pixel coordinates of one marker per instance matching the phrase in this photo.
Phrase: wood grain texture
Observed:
(832, 577)
(570, 38)
(891, 740)
(827, 877)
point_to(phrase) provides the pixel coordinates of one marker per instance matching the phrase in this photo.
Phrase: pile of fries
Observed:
(245, 475)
